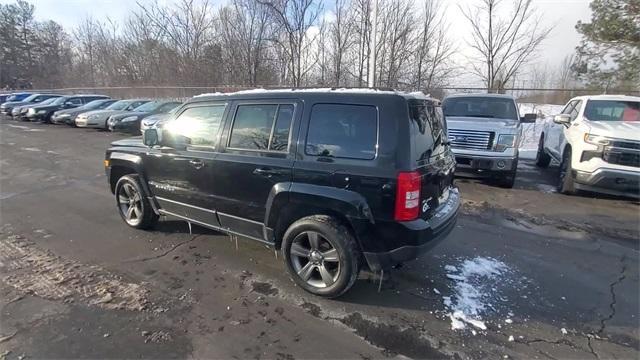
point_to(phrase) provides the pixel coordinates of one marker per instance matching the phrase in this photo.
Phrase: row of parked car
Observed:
(87, 110)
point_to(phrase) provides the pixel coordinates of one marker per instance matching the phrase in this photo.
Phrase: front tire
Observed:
(542, 158)
(565, 183)
(321, 255)
(133, 205)
(507, 180)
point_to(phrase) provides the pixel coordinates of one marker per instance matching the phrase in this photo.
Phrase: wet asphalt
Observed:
(570, 291)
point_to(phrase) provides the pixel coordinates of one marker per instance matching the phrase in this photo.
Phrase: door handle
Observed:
(265, 172)
(196, 163)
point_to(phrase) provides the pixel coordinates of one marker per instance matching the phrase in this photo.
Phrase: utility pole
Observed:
(371, 75)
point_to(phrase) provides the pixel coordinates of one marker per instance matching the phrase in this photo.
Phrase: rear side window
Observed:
(343, 131)
(262, 127)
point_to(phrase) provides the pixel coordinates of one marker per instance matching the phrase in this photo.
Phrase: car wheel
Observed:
(542, 158)
(133, 206)
(565, 183)
(321, 255)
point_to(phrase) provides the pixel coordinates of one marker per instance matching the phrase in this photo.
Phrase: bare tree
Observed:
(244, 27)
(433, 51)
(503, 45)
(295, 18)
(342, 39)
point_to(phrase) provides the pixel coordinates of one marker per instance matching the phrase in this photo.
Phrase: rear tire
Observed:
(565, 183)
(542, 158)
(133, 205)
(321, 255)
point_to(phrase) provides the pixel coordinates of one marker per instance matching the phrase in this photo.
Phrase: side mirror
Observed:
(529, 118)
(150, 138)
(562, 119)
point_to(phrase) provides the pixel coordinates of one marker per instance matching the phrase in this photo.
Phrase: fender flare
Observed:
(353, 205)
(133, 162)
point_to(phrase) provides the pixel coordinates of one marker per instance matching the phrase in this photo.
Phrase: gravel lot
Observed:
(527, 273)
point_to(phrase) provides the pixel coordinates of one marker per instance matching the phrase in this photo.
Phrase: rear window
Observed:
(480, 107)
(608, 110)
(343, 131)
(427, 127)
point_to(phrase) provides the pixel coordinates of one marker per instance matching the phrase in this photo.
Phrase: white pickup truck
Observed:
(596, 140)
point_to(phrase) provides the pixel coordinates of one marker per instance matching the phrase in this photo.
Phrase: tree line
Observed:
(303, 43)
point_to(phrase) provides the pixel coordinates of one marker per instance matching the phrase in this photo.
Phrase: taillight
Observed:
(407, 196)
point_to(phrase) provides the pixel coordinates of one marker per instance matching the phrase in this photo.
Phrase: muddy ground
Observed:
(75, 282)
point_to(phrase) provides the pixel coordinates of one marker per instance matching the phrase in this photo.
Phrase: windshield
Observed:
(612, 110)
(48, 101)
(481, 107)
(59, 100)
(30, 98)
(118, 105)
(147, 107)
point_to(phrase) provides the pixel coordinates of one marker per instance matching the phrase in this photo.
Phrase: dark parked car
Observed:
(43, 113)
(155, 121)
(68, 116)
(333, 179)
(3, 98)
(130, 122)
(7, 107)
(20, 112)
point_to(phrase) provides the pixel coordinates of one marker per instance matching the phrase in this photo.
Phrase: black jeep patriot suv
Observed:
(335, 179)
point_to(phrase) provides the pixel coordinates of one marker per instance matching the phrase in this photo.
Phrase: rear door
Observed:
(257, 155)
(431, 153)
(183, 179)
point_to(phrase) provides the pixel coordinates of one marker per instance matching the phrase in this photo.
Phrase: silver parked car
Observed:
(98, 118)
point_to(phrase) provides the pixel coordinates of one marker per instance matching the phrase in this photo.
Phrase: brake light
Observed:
(407, 196)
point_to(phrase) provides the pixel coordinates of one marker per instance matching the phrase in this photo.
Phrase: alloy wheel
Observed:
(130, 203)
(315, 259)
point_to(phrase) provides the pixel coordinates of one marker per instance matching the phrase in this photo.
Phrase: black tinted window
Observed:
(349, 131)
(262, 127)
(199, 124)
(252, 127)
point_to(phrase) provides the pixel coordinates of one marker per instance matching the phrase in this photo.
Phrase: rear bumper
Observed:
(609, 181)
(419, 236)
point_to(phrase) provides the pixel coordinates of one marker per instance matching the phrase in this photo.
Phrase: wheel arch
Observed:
(289, 202)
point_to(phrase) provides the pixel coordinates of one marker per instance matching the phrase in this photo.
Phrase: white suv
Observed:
(596, 139)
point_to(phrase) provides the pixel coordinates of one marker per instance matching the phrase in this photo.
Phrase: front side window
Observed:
(345, 131)
(75, 101)
(567, 109)
(199, 124)
(481, 107)
(612, 110)
(263, 127)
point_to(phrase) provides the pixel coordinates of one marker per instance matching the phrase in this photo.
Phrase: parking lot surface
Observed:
(527, 273)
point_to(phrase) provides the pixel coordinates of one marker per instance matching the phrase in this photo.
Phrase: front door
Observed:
(182, 179)
(554, 137)
(257, 156)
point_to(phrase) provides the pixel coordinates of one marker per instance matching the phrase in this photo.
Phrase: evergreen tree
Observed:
(609, 54)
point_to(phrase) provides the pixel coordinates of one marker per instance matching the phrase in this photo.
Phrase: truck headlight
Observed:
(596, 139)
(506, 141)
(129, 119)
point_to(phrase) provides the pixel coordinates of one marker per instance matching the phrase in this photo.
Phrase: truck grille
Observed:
(471, 139)
(622, 152)
(620, 156)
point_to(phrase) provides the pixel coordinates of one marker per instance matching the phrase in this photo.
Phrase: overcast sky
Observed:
(561, 14)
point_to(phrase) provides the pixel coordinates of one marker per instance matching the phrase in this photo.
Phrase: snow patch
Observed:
(416, 94)
(34, 149)
(474, 286)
